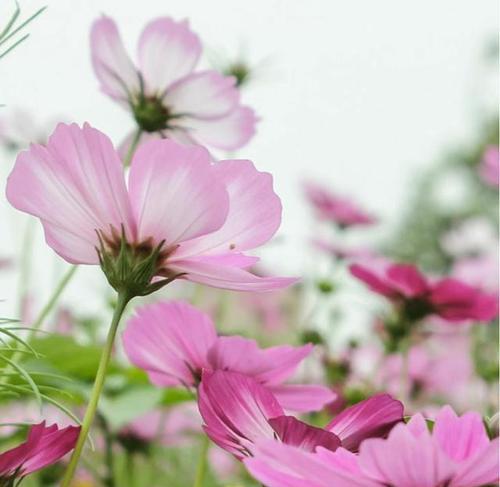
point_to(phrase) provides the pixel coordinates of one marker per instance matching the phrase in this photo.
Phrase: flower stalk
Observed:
(123, 299)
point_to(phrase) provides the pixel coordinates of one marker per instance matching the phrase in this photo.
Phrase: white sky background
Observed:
(361, 94)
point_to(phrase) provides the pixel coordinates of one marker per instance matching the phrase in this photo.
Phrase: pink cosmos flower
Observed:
(174, 342)
(489, 168)
(238, 412)
(165, 95)
(45, 445)
(418, 296)
(458, 453)
(334, 208)
(197, 218)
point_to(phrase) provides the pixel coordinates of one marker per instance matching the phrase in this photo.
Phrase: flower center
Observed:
(151, 114)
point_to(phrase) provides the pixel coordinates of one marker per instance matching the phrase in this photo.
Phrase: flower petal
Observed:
(460, 437)
(254, 212)
(114, 69)
(230, 132)
(372, 417)
(170, 341)
(176, 195)
(213, 271)
(296, 433)
(267, 366)
(236, 410)
(303, 398)
(205, 94)
(167, 51)
(75, 186)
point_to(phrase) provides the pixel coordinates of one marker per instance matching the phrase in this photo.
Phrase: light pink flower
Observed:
(418, 296)
(334, 208)
(489, 168)
(44, 446)
(239, 412)
(174, 342)
(202, 216)
(457, 453)
(164, 93)
(480, 271)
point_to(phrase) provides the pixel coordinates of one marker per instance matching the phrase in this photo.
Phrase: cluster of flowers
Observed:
(177, 213)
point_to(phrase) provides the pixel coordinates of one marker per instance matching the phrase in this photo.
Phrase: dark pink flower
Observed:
(239, 412)
(173, 342)
(200, 217)
(489, 168)
(45, 445)
(418, 296)
(458, 453)
(165, 95)
(336, 209)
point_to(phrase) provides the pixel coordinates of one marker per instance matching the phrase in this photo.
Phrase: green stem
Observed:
(123, 299)
(132, 148)
(54, 298)
(201, 469)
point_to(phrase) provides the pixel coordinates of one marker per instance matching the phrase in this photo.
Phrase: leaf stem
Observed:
(123, 299)
(133, 146)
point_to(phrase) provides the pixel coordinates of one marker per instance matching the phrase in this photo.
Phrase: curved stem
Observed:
(123, 299)
(133, 146)
(201, 469)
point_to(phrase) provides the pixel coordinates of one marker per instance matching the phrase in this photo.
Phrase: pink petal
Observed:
(170, 341)
(480, 469)
(176, 195)
(114, 69)
(54, 444)
(303, 398)
(457, 301)
(254, 212)
(460, 437)
(205, 94)
(236, 410)
(374, 277)
(280, 465)
(405, 460)
(272, 365)
(207, 270)
(167, 51)
(372, 417)
(296, 433)
(408, 279)
(79, 174)
(230, 132)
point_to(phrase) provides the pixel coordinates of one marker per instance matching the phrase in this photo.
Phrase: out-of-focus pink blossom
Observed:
(458, 453)
(165, 95)
(337, 209)
(204, 216)
(239, 412)
(419, 297)
(174, 342)
(480, 271)
(44, 446)
(340, 252)
(489, 168)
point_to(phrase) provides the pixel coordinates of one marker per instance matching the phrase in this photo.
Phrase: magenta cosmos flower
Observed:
(334, 208)
(418, 296)
(458, 453)
(489, 170)
(45, 445)
(189, 217)
(174, 342)
(239, 412)
(164, 93)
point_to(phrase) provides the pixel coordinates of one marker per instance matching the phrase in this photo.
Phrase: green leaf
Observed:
(67, 356)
